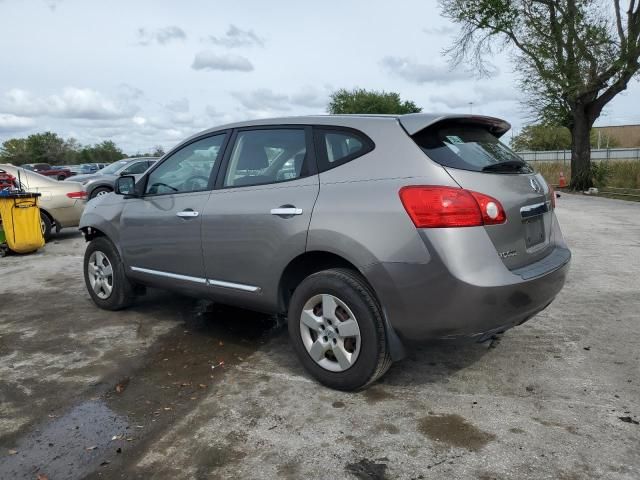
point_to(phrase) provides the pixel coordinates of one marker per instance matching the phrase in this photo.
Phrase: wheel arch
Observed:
(314, 261)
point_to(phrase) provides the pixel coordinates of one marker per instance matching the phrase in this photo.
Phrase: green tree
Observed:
(104, 152)
(47, 147)
(360, 100)
(573, 57)
(15, 151)
(549, 137)
(542, 137)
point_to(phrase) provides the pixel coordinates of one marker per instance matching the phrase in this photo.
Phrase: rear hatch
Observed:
(470, 151)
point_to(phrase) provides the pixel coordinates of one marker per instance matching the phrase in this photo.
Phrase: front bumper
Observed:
(427, 301)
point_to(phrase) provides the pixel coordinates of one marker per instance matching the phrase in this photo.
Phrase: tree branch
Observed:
(623, 38)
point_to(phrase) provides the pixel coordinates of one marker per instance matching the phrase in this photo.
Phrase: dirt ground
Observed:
(176, 388)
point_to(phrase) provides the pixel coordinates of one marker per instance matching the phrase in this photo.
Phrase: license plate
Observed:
(533, 231)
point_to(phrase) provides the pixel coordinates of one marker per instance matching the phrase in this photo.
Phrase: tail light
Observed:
(77, 195)
(552, 192)
(439, 207)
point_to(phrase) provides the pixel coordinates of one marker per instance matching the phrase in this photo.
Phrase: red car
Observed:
(48, 170)
(6, 180)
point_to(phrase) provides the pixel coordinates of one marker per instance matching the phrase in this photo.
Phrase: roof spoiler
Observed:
(415, 122)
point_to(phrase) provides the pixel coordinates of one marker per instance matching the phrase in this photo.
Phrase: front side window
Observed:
(188, 169)
(267, 156)
(340, 146)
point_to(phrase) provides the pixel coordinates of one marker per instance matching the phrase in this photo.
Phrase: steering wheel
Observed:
(188, 183)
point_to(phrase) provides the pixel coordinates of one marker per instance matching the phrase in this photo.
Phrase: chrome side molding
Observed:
(199, 280)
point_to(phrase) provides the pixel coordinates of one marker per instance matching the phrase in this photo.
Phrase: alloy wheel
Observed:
(330, 332)
(100, 274)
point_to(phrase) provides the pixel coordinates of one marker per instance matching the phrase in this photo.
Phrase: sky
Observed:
(144, 73)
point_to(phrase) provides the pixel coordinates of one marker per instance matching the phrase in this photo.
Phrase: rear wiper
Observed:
(506, 166)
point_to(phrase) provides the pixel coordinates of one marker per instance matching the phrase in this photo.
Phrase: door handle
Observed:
(286, 211)
(188, 213)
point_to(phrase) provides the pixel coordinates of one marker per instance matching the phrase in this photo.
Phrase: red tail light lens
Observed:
(491, 209)
(552, 192)
(441, 207)
(77, 195)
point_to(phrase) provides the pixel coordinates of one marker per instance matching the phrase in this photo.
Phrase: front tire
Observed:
(104, 276)
(336, 328)
(100, 191)
(46, 226)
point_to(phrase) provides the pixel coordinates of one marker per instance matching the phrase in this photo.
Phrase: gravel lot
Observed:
(177, 388)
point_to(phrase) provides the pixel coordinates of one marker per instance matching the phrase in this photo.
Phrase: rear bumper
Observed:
(427, 301)
(68, 216)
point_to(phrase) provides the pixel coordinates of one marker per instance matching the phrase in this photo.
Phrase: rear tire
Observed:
(46, 225)
(104, 276)
(350, 360)
(61, 178)
(100, 191)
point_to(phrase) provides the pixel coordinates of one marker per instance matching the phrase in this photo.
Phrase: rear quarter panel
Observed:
(359, 215)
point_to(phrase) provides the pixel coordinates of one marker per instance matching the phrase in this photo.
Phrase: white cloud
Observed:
(441, 30)
(209, 60)
(262, 99)
(181, 105)
(72, 102)
(161, 36)
(311, 97)
(420, 72)
(482, 94)
(236, 37)
(14, 123)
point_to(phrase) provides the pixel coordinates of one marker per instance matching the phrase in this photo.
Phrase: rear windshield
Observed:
(469, 147)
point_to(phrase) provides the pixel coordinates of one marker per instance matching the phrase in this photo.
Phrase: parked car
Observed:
(48, 171)
(7, 181)
(61, 203)
(102, 181)
(370, 232)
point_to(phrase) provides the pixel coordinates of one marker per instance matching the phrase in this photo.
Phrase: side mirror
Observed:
(125, 185)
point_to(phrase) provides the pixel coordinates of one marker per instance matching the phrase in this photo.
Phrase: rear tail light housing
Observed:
(552, 193)
(442, 207)
(77, 195)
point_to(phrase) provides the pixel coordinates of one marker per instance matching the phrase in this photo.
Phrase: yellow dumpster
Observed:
(20, 216)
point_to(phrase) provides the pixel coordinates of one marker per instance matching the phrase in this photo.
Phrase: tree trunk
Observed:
(581, 177)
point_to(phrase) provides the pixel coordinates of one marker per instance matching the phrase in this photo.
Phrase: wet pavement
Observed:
(178, 388)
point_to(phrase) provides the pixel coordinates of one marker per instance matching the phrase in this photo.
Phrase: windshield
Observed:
(114, 167)
(468, 147)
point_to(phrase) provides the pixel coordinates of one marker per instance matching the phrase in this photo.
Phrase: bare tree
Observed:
(573, 57)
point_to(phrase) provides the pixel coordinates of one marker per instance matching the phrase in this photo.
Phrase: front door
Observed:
(257, 219)
(161, 231)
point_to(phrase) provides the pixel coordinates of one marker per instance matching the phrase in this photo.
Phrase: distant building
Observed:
(621, 136)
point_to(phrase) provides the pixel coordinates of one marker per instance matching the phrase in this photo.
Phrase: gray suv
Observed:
(369, 232)
(102, 181)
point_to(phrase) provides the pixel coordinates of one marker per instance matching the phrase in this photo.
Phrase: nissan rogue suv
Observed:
(369, 232)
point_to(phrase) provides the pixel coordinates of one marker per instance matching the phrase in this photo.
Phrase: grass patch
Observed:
(617, 174)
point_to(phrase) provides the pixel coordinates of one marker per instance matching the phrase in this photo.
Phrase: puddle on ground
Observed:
(69, 446)
(146, 395)
(455, 431)
(367, 470)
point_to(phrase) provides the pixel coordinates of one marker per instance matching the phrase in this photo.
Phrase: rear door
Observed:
(160, 232)
(470, 151)
(257, 219)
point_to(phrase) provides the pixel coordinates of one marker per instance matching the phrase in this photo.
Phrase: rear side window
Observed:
(468, 147)
(339, 146)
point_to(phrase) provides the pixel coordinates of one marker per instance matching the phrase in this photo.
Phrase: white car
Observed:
(61, 203)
